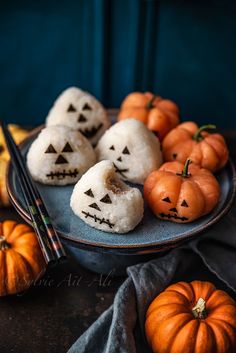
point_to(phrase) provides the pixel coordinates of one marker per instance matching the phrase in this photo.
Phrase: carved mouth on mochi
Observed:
(120, 171)
(173, 216)
(89, 133)
(97, 219)
(62, 175)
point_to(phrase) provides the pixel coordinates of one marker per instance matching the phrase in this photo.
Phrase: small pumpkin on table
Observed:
(21, 259)
(192, 317)
(180, 192)
(160, 115)
(187, 140)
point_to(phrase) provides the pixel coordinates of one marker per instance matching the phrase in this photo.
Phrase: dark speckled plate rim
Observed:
(124, 249)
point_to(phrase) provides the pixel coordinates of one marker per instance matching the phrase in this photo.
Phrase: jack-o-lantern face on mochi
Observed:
(133, 149)
(60, 156)
(107, 204)
(80, 111)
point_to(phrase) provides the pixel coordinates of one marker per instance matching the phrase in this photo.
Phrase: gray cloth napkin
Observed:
(120, 329)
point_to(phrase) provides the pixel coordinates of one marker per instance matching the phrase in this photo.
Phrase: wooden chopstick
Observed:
(47, 236)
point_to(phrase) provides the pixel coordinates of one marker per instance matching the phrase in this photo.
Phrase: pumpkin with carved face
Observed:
(80, 111)
(60, 156)
(102, 200)
(181, 193)
(133, 149)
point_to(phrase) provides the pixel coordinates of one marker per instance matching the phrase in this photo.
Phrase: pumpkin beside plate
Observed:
(21, 259)
(192, 317)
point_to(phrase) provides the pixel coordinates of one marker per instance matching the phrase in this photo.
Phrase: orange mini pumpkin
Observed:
(192, 318)
(160, 115)
(188, 141)
(21, 259)
(181, 193)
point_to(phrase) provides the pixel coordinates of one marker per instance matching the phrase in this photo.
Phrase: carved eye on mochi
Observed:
(125, 150)
(67, 148)
(104, 199)
(89, 193)
(86, 106)
(71, 108)
(50, 149)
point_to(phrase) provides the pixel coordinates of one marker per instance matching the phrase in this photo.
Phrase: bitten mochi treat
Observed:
(133, 149)
(60, 156)
(101, 199)
(80, 111)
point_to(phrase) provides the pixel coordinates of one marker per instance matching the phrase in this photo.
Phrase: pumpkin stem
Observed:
(3, 244)
(150, 103)
(185, 173)
(199, 310)
(197, 136)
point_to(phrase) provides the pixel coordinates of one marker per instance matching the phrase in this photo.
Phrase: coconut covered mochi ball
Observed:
(60, 156)
(102, 200)
(80, 111)
(133, 149)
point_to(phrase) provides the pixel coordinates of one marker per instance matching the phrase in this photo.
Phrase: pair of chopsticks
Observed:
(49, 241)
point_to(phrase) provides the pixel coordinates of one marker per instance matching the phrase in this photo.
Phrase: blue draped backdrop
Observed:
(184, 50)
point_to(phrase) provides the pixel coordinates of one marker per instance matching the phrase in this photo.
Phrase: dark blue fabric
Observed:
(183, 49)
(211, 257)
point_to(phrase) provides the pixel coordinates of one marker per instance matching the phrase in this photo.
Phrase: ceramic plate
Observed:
(150, 235)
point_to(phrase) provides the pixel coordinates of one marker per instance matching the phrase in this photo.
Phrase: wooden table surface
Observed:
(51, 315)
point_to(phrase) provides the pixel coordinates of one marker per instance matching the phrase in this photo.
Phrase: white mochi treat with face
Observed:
(60, 156)
(80, 111)
(133, 149)
(102, 200)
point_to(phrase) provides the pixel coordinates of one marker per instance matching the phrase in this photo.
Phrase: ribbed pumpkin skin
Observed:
(172, 328)
(210, 153)
(200, 191)
(160, 117)
(22, 263)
